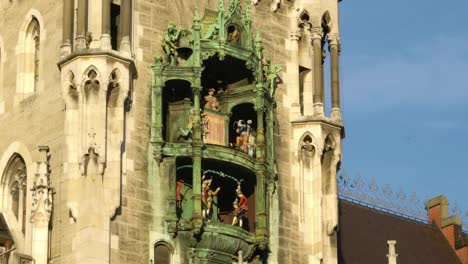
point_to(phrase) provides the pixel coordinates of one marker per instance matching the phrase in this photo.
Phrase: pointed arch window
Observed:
(32, 61)
(36, 39)
(29, 59)
(14, 184)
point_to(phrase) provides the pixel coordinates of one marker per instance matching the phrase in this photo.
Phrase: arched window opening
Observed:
(15, 180)
(33, 47)
(91, 89)
(162, 253)
(177, 107)
(327, 157)
(30, 71)
(36, 58)
(226, 188)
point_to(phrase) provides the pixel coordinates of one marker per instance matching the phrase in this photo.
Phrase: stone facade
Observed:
(91, 105)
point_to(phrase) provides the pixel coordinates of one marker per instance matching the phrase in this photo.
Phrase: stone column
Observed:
(68, 19)
(317, 35)
(334, 47)
(126, 25)
(293, 72)
(80, 40)
(105, 26)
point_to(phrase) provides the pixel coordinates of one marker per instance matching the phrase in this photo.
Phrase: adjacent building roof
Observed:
(364, 232)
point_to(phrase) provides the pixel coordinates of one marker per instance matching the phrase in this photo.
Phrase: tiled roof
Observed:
(364, 232)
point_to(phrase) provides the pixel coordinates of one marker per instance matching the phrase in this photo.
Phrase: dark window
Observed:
(15, 200)
(36, 61)
(23, 227)
(162, 253)
(115, 26)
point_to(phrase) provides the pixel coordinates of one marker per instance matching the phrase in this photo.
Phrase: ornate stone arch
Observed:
(326, 23)
(114, 94)
(307, 137)
(304, 19)
(329, 162)
(91, 85)
(85, 75)
(70, 90)
(329, 143)
(163, 252)
(16, 160)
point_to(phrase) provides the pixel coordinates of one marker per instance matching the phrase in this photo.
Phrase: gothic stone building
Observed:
(169, 131)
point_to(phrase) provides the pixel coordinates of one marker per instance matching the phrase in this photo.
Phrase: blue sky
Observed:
(404, 69)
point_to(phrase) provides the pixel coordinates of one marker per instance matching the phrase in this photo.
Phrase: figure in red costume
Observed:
(240, 206)
(180, 184)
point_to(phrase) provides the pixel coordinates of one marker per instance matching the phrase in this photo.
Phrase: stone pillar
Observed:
(168, 181)
(260, 100)
(105, 26)
(317, 35)
(41, 209)
(80, 40)
(68, 21)
(334, 47)
(260, 210)
(196, 39)
(392, 256)
(293, 72)
(197, 144)
(126, 25)
(260, 205)
(156, 113)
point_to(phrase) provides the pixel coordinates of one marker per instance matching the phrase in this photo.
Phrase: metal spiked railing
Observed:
(368, 192)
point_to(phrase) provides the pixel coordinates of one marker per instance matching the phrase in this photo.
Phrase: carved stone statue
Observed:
(211, 101)
(169, 44)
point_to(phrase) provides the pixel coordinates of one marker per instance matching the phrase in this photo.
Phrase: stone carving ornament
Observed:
(275, 4)
(42, 191)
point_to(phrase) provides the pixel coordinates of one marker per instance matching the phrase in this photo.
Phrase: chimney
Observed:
(392, 256)
(451, 226)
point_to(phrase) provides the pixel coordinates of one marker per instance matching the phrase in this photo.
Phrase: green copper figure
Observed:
(169, 44)
(271, 73)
